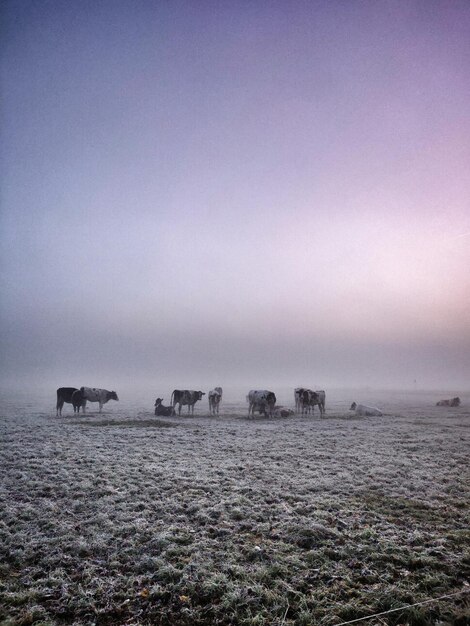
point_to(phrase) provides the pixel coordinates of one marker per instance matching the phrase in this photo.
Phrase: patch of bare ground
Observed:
(122, 518)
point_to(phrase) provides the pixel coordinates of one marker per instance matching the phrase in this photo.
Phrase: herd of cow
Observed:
(261, 401)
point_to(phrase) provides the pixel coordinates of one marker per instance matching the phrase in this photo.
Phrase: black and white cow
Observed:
(92, 394)
(215, 397)
(262, 401)
(306, 401)
(64, 394)
(319, 398)
(297, 393)
(451, 402)
(186, 396)
(163, 410)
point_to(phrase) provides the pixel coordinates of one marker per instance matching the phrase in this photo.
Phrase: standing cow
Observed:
(64, 394)
(262, 401)
(309, 400)
(319, 398)
(185, 396)
(92, 394)
(215, 397)
(298, 391)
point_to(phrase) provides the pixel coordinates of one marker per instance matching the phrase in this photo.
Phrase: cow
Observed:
(298, 391)
(306, 399)
(78, 401)
(260, 399)
(64, 394)
(365, 411)
(451, 402)
(92, 394)
(185, 396)
(214, 396)
(167, 411)
(319, 398)
(280, 411)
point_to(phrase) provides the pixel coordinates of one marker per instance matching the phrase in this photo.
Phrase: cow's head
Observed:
(271, 398)
(158, 401)
(353, 406)
(113, 395)
(200, 394)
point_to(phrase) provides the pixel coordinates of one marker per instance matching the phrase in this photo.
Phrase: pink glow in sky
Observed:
(255, 192)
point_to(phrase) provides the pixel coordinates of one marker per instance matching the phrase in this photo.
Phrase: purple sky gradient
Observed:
(262, 193)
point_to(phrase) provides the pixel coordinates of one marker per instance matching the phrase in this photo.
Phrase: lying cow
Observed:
(92, 394)
(261, 401)
(185, 396)
(366, 411)
(163, 410)
(451, 402)
(215, 397)
(281, 411)
(64, 394)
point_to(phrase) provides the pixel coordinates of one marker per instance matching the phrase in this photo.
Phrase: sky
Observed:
(242, 193)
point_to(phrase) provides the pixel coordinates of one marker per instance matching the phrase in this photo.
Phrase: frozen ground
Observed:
(124, 518)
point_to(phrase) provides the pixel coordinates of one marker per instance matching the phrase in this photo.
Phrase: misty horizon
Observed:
(225, 194)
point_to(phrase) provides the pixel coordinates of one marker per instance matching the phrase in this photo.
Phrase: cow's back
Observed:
(93, 394)
(65, 393)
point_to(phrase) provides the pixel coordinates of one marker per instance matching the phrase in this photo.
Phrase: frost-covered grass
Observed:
(124, 518)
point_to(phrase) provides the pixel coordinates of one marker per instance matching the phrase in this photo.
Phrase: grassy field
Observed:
(124, 518)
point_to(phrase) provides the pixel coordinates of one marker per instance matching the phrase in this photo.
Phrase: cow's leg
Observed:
(60, 404)
(101, 406)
